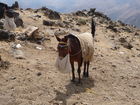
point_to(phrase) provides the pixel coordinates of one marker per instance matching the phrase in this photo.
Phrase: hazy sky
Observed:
(71, 5)
(65, 5)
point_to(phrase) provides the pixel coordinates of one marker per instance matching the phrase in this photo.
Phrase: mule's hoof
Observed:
(73, 80)
(78, 83)
(87, 75)
(84, 76)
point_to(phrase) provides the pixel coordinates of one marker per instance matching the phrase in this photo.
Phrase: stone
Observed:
(125, 44)
(39, 74)
(54, 15)
(18, 54)
(2, 6)
(38, 16)
(16, 46)
(1, 24)
(4, 64)
(22, 37)
(60, 32)
(80, 13)
(7, 35)
(127, 29)
(15, 5)
(91, 12)
(60, 24)
(31, 30)
(18, 21)
(48, 23)
(111, 27)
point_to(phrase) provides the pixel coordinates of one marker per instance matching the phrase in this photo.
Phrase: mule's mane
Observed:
(74, 45)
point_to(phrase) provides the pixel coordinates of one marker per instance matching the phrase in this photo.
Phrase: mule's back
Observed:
(87, 46)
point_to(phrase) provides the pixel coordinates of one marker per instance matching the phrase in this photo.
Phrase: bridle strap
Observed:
(63, 43)
(69, 49)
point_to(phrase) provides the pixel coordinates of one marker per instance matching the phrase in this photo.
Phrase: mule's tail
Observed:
(93, 28)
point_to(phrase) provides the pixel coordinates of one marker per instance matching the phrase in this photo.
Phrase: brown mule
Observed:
(70, 44)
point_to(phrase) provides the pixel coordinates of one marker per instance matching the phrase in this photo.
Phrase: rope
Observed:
(76, 53)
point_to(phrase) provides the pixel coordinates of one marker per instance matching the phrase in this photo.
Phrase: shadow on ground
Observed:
(73, 88)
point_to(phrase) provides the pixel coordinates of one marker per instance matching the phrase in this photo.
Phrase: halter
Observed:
(63, 44)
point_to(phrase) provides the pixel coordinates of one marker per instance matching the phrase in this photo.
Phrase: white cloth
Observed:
(63, 65)
(9, 24)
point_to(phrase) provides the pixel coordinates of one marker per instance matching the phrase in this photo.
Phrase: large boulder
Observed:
(50, 13)
(9, 23)
(6, 35)
(15, 5)
(31, 30)
(54, 15)
(91, 11)
(12, 14)
(18, 21)
(80, 13)
(2, 7)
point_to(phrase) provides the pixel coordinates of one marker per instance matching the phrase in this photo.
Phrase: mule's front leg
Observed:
(79, 70)
(73, 74)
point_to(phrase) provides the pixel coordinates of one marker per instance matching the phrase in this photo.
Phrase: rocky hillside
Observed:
(28, 75)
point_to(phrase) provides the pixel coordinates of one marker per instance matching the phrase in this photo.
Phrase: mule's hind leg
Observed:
(87, 73)
(73, 74)
(84, 72)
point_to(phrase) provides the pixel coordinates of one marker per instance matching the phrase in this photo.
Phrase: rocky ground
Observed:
(28, 75)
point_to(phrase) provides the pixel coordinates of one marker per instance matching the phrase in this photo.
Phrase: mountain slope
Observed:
(134, 19)
(127, 12)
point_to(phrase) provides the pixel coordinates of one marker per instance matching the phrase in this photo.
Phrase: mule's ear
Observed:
(66, 38)
(58, 39)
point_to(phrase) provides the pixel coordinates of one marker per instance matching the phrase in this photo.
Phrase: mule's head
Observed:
(62, 47)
